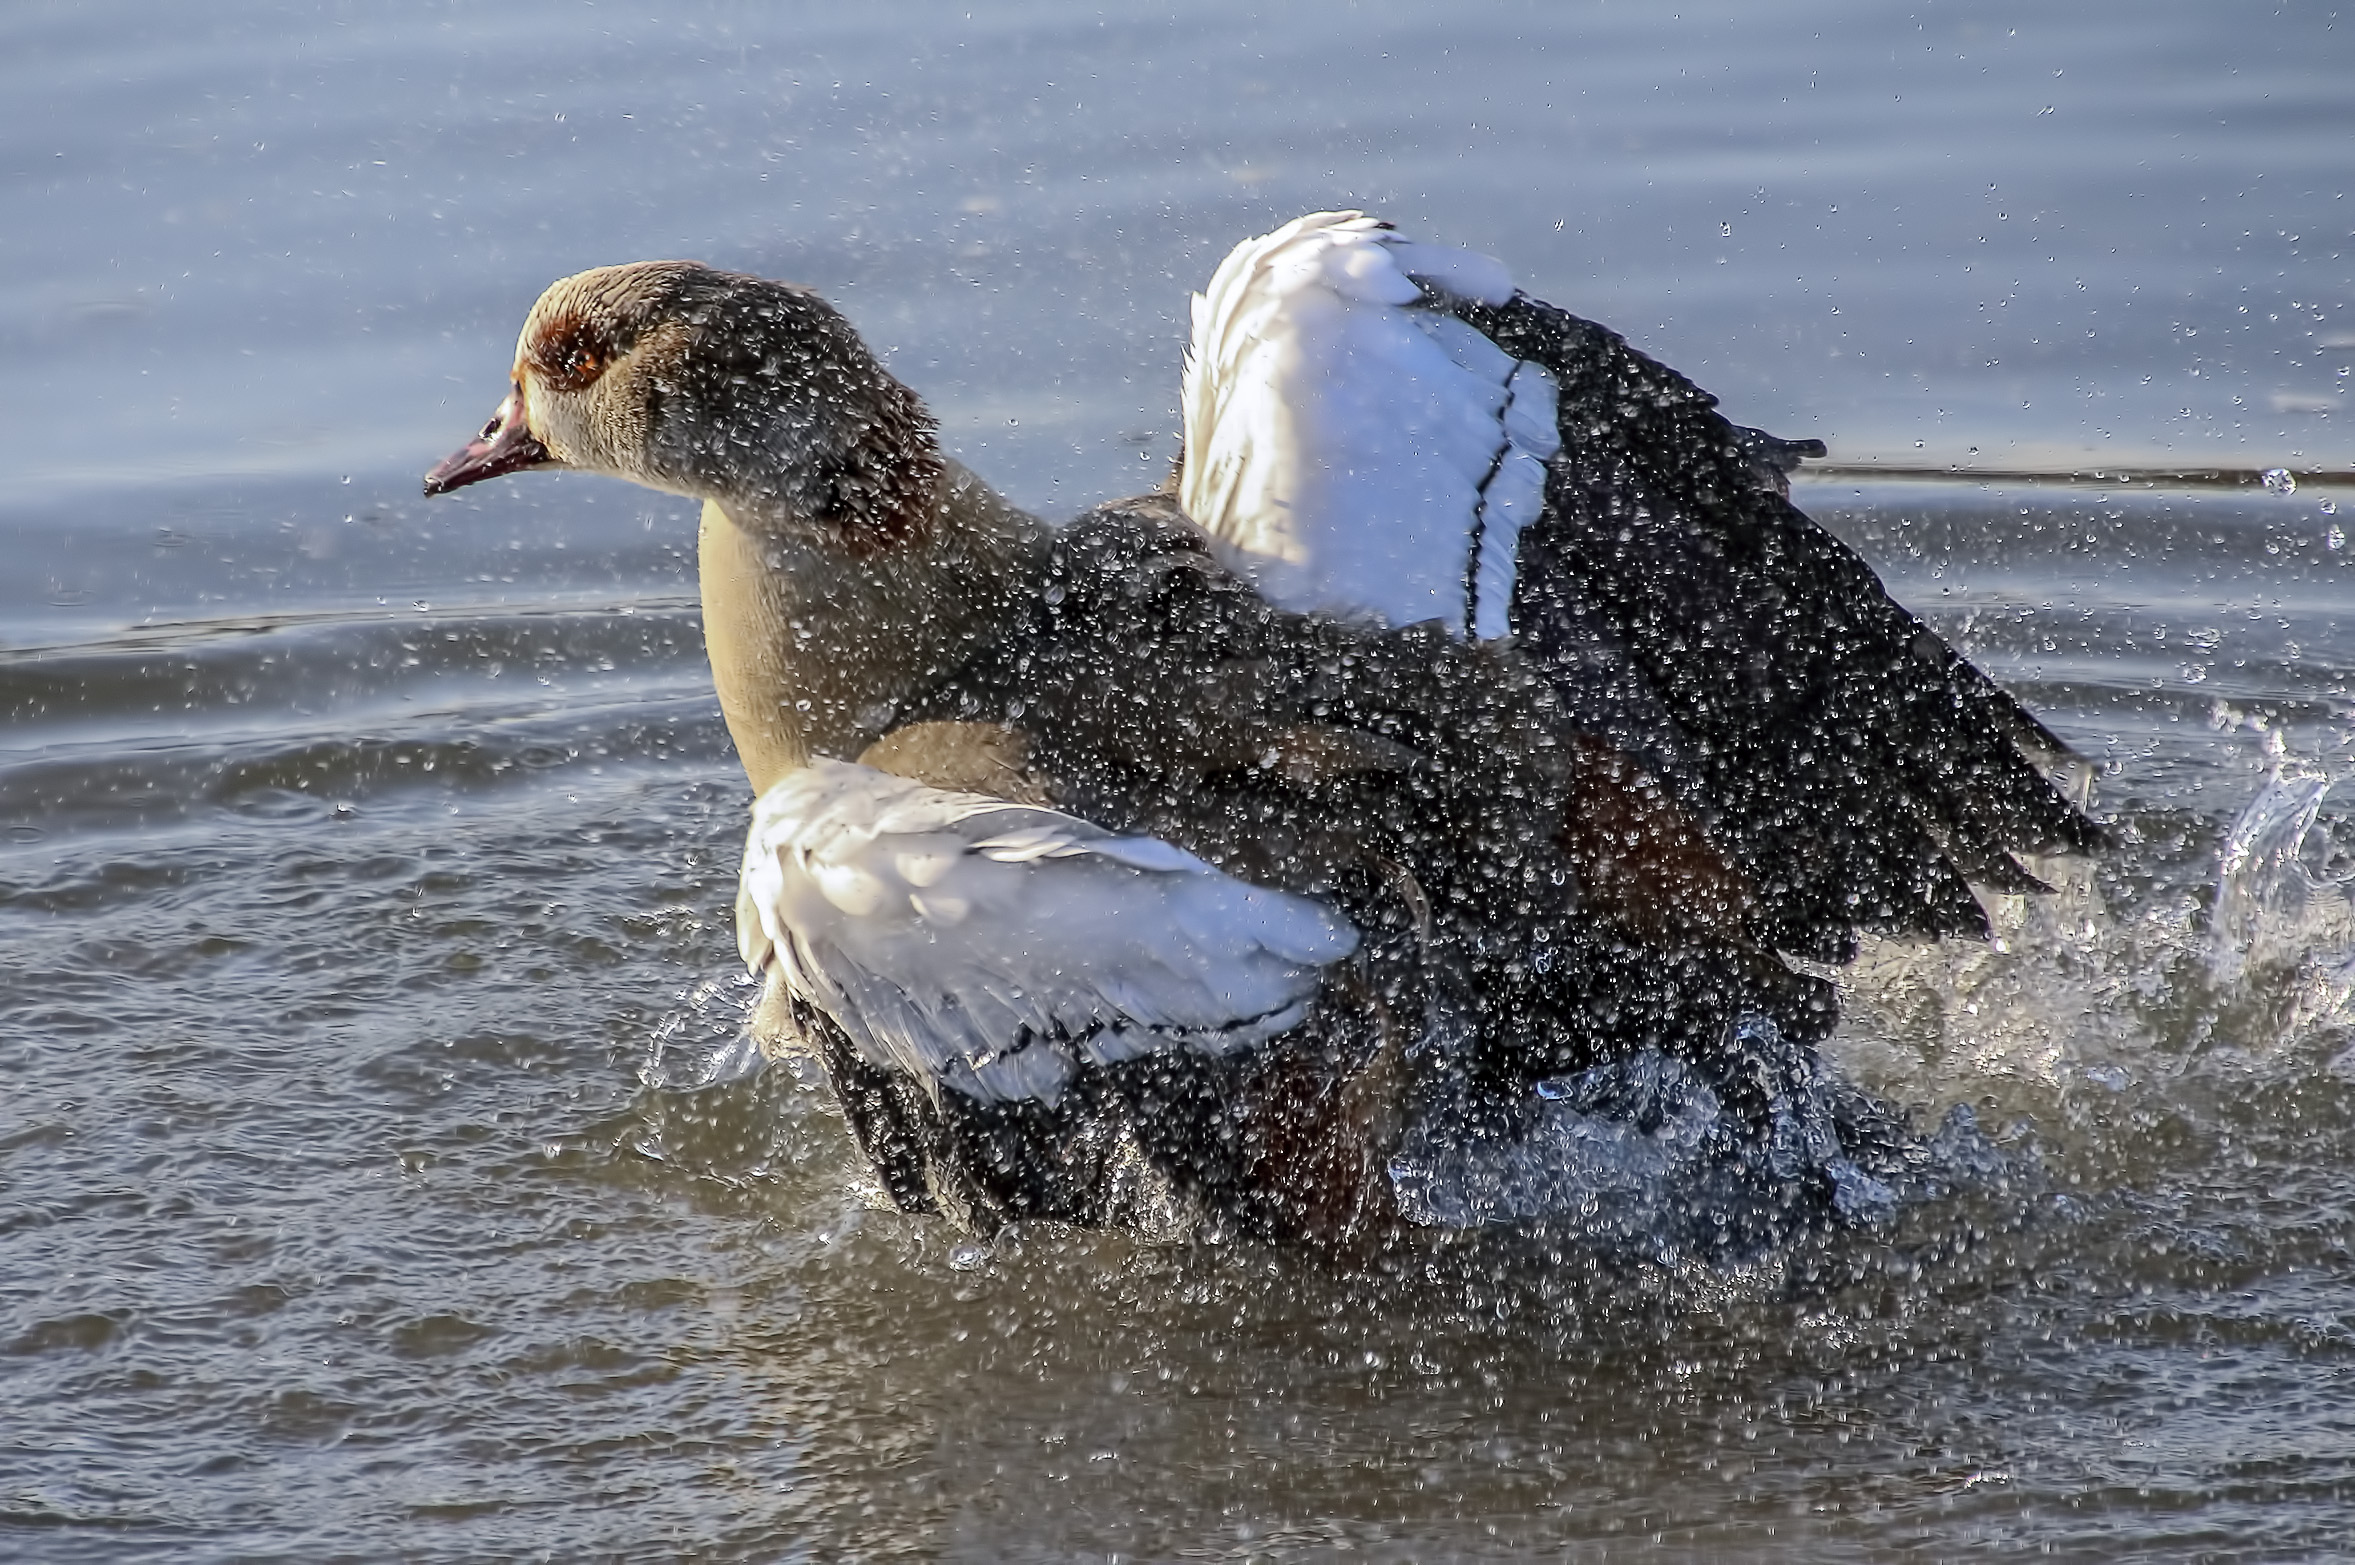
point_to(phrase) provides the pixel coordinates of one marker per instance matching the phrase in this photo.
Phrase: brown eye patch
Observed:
(569, 353)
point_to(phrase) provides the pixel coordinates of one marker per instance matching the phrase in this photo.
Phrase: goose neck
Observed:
(815, 647)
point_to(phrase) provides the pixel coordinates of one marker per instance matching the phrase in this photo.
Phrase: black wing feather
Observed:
(1861, 769)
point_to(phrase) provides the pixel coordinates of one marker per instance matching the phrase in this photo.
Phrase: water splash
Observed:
(2052, 995)
(707, 1042)
(1610, 1147)
(2282, 929)
(2262, 891)
(1641, 1157)
(2195, 950)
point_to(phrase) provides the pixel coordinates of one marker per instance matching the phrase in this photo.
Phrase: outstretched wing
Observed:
(994, 948)
(1352, 453)
(1861, 766)
(1357, 422)
(1354, 448)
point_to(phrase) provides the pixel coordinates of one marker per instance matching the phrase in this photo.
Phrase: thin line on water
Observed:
(2110, 477)
(170, 633)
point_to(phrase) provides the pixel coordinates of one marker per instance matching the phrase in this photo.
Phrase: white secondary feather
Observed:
(996, 947)
(1350, 447)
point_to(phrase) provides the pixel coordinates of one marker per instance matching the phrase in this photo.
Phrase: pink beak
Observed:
(504, 446)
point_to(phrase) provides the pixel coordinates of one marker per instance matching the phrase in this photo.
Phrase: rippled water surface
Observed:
(361, 858)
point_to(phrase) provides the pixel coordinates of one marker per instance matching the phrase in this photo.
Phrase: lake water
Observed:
(359, 856)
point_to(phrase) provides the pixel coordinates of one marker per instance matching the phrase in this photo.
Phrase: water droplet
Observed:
(2279, 481)
(2328, 507)
(967, 1256)
(2336, 538)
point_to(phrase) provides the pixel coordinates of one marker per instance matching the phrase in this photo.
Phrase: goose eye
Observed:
(491, 428)
(571, 353)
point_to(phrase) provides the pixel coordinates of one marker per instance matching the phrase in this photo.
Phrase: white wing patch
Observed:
(995, 947)
(1351, 449)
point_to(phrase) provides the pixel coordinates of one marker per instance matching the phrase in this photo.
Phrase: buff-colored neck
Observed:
(815, 649)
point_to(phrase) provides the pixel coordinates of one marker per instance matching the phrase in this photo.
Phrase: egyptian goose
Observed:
(1423, 782)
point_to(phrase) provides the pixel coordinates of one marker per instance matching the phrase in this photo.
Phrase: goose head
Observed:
(752, 394)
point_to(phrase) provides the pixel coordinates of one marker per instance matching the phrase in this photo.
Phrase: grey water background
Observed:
(360, 858)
